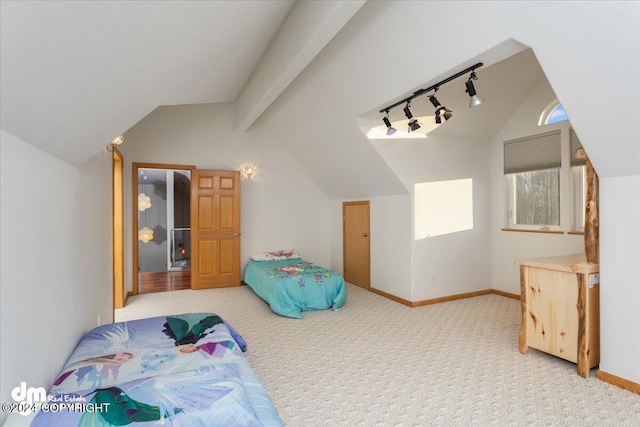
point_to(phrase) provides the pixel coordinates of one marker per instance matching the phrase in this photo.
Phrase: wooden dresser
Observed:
(561, 308)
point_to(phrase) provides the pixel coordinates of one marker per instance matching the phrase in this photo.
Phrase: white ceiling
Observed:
(75, 75)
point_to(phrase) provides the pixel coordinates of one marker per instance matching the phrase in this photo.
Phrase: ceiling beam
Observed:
(306, 31)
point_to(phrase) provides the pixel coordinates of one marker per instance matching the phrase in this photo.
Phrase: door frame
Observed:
(117, 191)
(135, 167)
(344, 234)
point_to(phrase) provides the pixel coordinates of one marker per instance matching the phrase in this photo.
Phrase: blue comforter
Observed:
(183, 370)
(294, 285)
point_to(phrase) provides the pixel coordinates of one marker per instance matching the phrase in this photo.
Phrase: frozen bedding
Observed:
(293, 285)
(183, 370)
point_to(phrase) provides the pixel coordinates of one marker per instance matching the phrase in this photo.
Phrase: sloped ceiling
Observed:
(390, 49)
(74, 75)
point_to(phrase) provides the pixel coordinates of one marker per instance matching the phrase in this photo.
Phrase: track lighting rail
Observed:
(434, 87)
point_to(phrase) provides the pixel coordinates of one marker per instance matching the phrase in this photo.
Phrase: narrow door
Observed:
(356, 242)
(215, 229)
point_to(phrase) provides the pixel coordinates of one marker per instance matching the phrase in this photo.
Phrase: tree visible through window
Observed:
(537, 197)
(532, 175)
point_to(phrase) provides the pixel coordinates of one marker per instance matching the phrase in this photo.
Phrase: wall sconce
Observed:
(248, 171)
(115, 143)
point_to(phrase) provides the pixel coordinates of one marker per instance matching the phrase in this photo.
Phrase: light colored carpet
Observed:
(379, 363)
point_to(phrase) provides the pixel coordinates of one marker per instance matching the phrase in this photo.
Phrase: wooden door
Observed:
(357, 250)
(215, 229)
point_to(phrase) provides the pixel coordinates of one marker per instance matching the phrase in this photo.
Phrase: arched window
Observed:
(552, 114)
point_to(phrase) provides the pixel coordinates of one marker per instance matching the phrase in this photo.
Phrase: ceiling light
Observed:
(390, 129)
(145, 234)
(441, 111)
(413, 124)
(144, 202)
(434, 100)
(471, 90)
(407, 112)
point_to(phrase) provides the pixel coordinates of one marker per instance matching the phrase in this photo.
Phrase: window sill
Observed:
(576, 233)
(525, 230)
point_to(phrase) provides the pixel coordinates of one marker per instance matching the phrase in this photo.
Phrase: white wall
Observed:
(56, 261)
(390, 239)
(507, 246)
(437, 261)
(281, 208)
(619, 278)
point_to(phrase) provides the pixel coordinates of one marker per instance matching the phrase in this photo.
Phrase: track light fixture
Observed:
(390, 129)
(441, 111)
(471, 90)
(413, 123)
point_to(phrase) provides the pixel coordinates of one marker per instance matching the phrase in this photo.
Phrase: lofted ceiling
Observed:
(75, 75)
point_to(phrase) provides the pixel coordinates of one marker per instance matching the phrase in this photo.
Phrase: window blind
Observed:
(532, 153)
(575, 144)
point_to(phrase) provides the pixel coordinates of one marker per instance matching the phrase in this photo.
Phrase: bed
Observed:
(291, 285)
(183, 370)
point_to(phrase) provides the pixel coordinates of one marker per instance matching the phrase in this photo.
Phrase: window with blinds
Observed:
(532, 153)
(532, 173)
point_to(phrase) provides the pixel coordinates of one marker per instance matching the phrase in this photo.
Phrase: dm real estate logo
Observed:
(28, 396)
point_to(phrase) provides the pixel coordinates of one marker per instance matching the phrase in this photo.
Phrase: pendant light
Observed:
(145, 234)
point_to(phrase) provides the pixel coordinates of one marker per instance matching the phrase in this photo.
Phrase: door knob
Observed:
(365, 234)
(236, 234)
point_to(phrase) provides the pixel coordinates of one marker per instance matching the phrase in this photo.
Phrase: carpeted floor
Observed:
(376, 362)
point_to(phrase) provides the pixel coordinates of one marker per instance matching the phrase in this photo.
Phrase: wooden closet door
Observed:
(356, 250)
(215, 229)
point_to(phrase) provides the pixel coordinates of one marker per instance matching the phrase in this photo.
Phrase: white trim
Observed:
(511, 207)
(579, 191)
(546, 113)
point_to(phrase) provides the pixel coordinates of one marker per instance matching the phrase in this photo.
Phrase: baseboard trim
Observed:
(618, 381)
(444, 299)
(450, 298)
(391, 297)
(505, 294)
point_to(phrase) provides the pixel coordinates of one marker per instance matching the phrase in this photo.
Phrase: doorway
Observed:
(356, 243)
(161, 215)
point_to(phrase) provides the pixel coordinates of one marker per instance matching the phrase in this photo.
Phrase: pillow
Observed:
(275, 256)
